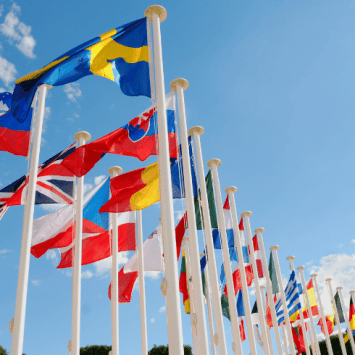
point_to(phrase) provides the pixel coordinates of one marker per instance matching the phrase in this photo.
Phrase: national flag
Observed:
(257, 254)
(203, 261)
(14, 135)
(351, 320)
(272, 273)
(328, 311)
(138, 139)
(339, 308)
(179, 233)
(120, 55)
(183, 288)
(256, 322)
(312, 300)
(268, 311)
(298, 339)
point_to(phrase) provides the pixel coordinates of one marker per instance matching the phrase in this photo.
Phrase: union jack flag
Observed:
(55, 184)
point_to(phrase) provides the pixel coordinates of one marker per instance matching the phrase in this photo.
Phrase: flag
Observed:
(328, 311)
(257, 253)
(298, 339)
(183, 284)
(351, 320)
(339, 308)
(203, 261)
(268, 311)
(256, 321)
(312, 300)
(120, 55)
(179, 233)
(14, 135)
(55, 184)
(272, 273)
(240, 304)
(137, 139)
(330, 324)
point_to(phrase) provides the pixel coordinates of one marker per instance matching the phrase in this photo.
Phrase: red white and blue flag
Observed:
(137, 139)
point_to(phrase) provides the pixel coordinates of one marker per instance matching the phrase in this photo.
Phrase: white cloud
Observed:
(4, 251)
(87, 274)
(353, 241)
(71, 118)
(17, 32)
(73, 91)
(1, 9)
(152, 320)
(87, 188)
(103, 266)
(7, 71)
(162, 309)
(52, 255)
(153, 274)
(35, 282)
(99, 179)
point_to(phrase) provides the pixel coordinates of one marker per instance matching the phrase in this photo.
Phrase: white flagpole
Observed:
(191, 292)
(213, 164)
(24, 267)
(340, 334)
(114, 171)
(261, 312)
(313, 331)
(251, 336)
(300, 311)
(179, 86)
(284, 336)
(209, 309)
(350, 332)
(157, 14)
(196, 132)
(263, 289)
(259, 232)
(319, 302)
(82, 137)
(279, 280)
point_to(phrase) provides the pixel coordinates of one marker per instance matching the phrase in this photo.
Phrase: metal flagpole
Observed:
(251, 337)
(196, 132)
(24, 267)
(213, 164)
(114, 171)
(246, 215)
(157, 14)
(263, 289)
(259, 232)
(179, 86)
(279, 280)
(81, 137)
(191, 293)
(319, 302)
(350, 332)
(313, 331)
(304, 331)
(340, 334)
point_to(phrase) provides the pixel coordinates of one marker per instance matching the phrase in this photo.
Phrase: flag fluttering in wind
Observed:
(256, 323)
(120, 55)
(14, 135)
(183, 288)
(298, 339)
(137, 139)
(351, 320)
(272, 273)
(339, 308)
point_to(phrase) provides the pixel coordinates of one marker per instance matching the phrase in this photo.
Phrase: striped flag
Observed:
(339, 308)
(272, 273)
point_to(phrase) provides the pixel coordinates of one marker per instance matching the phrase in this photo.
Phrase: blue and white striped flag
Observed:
(292, 299)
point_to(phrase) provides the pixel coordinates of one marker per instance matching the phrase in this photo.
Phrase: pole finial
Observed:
(179, 82)
(328, 279)
(339, 288)
(291, 257)
(263, 287)
(231, 189)
(314, 275)
(115, 170)
(274, 247)
(185, 239)
(156, 10)
(246, 214)
(82, 134)
(352, 292)
(301, 268)
(198, 129)
(213, 162)
(259, 230)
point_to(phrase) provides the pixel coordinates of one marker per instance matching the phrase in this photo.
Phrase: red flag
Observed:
(257, 254)
(298, 339)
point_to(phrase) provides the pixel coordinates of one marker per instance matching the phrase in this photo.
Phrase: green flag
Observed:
(273, 277)
(225, 306)
(339, 309)
(211, 203)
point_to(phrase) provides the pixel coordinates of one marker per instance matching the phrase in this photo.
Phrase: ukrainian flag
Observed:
(120, 55)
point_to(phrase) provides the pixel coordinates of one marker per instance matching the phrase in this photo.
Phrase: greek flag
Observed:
(292, 299)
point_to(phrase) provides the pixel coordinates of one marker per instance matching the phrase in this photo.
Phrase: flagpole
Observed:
(313, 328)
(346, 319)
(263, 289)
(259, 232)
(251, 337)
(82, 137)
(246, 215)
(284, 336)
(157, 14)
(213, 164)
(340, 334)
(114, 171)
(327, 337)
(179, 86)
(196, 132)
(191, 292)
(300, 312)
(286, 316)
(24, 267)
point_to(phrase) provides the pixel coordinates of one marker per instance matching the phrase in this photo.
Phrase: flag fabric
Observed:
(183, 288)
(179, 233)
(257, 254)
(339, 308)
(256, 322)
(203, 261)
(268, 311)
(298, 339)
(272, 273)
(351, 320)
(137, 139)
(312, 300)
(120, 55)
(14, 135)
(240, 304)
(329, 313)
(330, 324)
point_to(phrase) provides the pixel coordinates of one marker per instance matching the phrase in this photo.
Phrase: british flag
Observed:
(55, 184)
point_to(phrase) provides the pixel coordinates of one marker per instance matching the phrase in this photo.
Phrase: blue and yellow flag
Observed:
(120, 55)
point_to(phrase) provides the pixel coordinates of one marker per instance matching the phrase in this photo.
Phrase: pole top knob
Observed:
(263, 287)
(352, 292)
(314, 275)
(274, 247)
(259, 230)
(231, 189)
(291, 257)
(246, 214)
(198, 129)
(301, 268)
(202, 254)
(213, 162)
(156, 10)
(159, 219)
(339, 288)
(115, 170)
(328, 279)
(82, 134)
(179, 82)
(185, 239)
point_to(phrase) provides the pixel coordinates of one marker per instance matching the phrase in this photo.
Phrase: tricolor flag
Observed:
(14, 135)
(339, 308)
(120, 55)
(351, 320)
(183, 284)
(257, 253)
(137, 139)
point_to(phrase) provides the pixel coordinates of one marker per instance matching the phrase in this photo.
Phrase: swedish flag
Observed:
(120, 55)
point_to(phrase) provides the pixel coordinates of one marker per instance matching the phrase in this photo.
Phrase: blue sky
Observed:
(271, 83)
